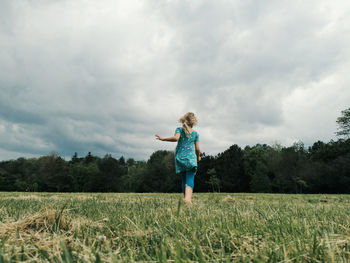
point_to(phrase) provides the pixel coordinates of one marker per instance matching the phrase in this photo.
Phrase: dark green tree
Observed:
(202, 175)
(132, 181)
(230, 172)
(256, 168)
(111, 171)
(344, 124)
(54, 173)
(293, 160)
(160, 175)
(213, 181)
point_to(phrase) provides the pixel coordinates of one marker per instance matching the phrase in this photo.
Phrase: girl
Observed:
(187, 153)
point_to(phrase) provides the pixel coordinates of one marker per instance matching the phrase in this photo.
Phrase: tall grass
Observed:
(46, 227)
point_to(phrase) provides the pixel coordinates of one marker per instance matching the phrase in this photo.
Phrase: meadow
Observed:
(218, 227)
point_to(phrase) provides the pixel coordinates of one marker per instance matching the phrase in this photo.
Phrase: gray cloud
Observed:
(106, 76)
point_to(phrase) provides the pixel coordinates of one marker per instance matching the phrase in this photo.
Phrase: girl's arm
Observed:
(198, 151)
(174, 138)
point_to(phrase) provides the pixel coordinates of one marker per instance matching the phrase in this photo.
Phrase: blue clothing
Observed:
(188, 178)
(185, 156)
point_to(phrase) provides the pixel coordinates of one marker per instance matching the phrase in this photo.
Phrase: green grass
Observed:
(45, 227)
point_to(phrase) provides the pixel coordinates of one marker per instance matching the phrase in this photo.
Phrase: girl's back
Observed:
(185, 155)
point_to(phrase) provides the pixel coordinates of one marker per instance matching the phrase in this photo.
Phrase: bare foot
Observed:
(187, 202)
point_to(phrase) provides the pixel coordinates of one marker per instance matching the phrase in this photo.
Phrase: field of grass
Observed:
(45, 227)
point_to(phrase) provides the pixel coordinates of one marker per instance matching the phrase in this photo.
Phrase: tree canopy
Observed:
(344, 124)
(321, 168)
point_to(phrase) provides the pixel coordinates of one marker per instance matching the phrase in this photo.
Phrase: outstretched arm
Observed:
(174, 138)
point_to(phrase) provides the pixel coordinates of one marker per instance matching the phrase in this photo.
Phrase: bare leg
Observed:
(188, 194)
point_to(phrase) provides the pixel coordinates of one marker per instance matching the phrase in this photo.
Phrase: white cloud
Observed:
(106, 76)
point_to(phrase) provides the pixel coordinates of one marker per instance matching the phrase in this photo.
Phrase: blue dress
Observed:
(185, 156)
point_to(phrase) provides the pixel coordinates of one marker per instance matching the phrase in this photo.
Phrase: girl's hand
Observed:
(158, 137)
(198, 158)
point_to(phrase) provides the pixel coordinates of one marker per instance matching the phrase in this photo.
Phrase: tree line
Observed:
(320, 168)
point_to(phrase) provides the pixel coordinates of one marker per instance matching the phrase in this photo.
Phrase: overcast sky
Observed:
(105, 76)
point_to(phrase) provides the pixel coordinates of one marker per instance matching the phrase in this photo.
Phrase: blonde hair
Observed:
(188, 120)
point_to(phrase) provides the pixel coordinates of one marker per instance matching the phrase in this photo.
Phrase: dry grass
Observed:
(39, 222)
(22, 197)
(229, 199)
(159, 228)
(47, 231)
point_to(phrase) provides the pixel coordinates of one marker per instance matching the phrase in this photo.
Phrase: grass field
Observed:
(45, 227)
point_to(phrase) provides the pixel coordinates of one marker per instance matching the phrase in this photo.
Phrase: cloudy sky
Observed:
(105, 76)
